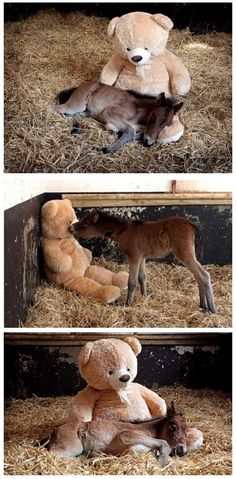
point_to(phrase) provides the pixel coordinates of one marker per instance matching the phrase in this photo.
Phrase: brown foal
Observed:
(166, 435)
(120, 111)
(150, 239)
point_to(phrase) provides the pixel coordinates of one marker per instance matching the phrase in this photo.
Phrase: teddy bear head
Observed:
(138, 36)
(109, 363)
(56, 218)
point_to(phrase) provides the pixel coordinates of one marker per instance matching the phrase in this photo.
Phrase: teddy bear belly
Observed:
(112, 408)
(151, 80)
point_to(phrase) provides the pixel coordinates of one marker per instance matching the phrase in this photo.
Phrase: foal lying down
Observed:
(121, 111)
(150, 239)
(166, 436)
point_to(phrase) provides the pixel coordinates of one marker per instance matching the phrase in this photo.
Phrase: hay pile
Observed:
(172, 302)
(51, 51)
(27, 421)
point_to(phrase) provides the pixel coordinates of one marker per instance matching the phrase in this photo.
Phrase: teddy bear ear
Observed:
(112, 26)
(68, 201)
(134, 344)
(50, 209)
(164, 21)
(85, 352)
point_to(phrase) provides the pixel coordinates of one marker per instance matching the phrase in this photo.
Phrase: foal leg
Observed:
(205, 287)
(132, 438)
(142, 277)
(134, 263)
(127, 136)
(116, 119)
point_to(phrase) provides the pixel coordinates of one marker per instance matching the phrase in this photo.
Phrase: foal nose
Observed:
(181, 450)
(137, 58)
(72, 229)
(125, 378)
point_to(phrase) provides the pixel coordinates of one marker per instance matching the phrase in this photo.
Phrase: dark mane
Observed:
(107, 217)
(157, 419)
(144, 96)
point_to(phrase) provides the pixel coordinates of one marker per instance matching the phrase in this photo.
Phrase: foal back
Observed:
(156, 239)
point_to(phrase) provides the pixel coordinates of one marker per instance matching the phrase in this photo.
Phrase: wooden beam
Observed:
(97, 200)
(79, 339)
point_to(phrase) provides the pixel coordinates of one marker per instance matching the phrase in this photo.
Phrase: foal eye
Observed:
(173, 426)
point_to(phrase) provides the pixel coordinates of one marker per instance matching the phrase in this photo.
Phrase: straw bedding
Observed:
(51, 51)
(172, 302)
(27, 421)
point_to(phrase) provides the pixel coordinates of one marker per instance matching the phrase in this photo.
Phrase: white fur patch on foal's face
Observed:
(139, 52)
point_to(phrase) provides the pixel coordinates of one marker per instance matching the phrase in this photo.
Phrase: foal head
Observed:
(175, 431)
(160, 116)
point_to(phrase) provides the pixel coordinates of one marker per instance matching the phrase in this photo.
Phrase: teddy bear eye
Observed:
(128, 49)
(128, 369)
(110, 372)
(145, 48)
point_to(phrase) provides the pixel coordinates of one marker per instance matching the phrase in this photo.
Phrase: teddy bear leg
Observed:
(65, 441)
(90, 288)
(171, 133)
(194, 439)
(106, 277)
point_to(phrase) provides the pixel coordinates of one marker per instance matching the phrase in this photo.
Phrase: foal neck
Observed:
(111, 225)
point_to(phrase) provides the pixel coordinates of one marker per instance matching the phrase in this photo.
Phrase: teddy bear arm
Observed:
(155, 403)
(111, 70)
(88, 254)
(56, 260)
(179, 75)
(84, 402)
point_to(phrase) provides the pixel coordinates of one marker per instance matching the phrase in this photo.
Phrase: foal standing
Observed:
(150, 239)
(121, 111)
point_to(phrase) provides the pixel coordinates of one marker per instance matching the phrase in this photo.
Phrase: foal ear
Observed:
(93, 218)
(171, 410)
(161, 99)
(178, 106)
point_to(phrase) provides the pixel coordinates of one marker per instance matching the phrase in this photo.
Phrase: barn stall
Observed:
(172, 292)
(41, 378)
(50, 49)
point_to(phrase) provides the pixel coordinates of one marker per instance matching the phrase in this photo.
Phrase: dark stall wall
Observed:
(22, 257)
(215, 223)
(198, 17)
(52, 371)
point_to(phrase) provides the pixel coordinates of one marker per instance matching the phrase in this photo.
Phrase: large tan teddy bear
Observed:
(143, 64)
(109, 367)
(67, 264)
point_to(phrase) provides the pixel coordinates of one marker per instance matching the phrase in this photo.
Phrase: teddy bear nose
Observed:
(137, 58)
(125, 378)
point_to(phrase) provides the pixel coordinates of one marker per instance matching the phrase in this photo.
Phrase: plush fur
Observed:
(104, 364)
(142, 35)
(67, 264)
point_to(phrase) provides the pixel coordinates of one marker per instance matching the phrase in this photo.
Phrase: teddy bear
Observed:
(67, 264)
(143, 64)
(109, 366)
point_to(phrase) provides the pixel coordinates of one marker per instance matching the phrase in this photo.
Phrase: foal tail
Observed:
(64, 95)
(198, 242)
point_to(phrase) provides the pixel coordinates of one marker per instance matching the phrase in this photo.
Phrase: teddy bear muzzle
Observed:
(138, 56)
(119, 379)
